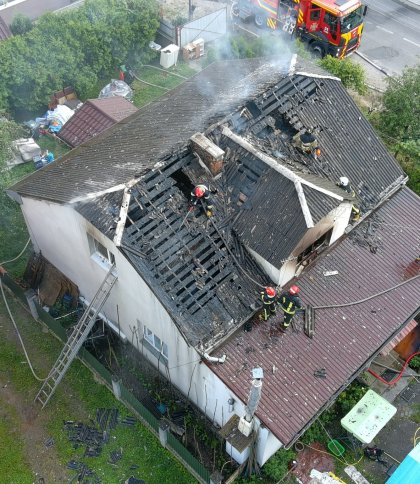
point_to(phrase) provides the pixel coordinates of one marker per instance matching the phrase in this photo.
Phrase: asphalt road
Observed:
(391, 37)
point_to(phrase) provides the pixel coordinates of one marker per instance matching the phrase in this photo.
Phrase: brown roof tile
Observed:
(345, 338)
(94, 117)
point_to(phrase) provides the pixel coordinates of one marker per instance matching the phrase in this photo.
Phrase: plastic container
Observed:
(169, 56)
(336, 448)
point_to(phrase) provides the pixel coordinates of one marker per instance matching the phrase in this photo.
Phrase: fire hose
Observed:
(399, 375)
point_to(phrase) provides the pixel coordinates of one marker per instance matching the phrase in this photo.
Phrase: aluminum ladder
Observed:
(76, 339)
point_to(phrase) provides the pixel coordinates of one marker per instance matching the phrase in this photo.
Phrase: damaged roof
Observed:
(349, 145)
(199, 269)
(379, 254)
(135, 144)
(94, 117)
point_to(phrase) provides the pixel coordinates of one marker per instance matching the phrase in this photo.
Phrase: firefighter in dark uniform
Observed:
(202, 194)
(289, 301)
(344, 184)
(268, 298)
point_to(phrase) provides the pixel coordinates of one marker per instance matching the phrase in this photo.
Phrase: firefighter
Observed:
(268, 298)
(344, 184)
(289, 301)
(306, 143)
(201, 194)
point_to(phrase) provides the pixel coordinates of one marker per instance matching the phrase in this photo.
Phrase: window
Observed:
(315, 14)
(158, 346)
(99, 252)
(352, 20)
(332, 21)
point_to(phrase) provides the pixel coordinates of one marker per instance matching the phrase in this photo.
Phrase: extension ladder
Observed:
(76, 339)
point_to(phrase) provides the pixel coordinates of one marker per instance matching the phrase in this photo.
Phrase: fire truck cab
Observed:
(329, 27)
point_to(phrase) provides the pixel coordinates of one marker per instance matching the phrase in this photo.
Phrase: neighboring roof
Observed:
(134, 145)
(94, 117)
(5, 31)
(376, 256)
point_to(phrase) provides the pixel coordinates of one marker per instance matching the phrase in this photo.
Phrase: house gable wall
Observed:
(337, 220)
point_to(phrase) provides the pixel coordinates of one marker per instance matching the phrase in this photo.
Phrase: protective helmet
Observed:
(270, 291)
(344, 181)
(199, 191)
(294, 290)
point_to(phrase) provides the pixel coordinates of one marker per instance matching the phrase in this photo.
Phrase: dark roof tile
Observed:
(135, 144)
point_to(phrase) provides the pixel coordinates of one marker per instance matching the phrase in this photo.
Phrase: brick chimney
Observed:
(211, 155)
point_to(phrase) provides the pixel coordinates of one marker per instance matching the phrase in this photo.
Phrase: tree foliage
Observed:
(351, 74)
(21, 24)
(76, 47)
(400, 118)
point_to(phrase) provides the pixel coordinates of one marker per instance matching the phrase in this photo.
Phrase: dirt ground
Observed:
(31, 421)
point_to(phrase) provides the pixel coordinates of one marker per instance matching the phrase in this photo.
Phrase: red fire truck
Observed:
(331, 27)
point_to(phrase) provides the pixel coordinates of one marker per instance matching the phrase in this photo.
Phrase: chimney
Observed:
(246, 423)
(210, 154)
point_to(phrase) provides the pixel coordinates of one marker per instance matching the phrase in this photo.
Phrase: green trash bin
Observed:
(336, 448)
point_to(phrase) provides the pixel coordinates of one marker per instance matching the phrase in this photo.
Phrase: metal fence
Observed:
(127, 398)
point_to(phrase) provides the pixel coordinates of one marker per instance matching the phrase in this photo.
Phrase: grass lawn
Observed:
(77, 398)
(144, 94)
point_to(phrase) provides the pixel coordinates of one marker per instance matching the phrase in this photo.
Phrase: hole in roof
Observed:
(183, 183)
(253, 108)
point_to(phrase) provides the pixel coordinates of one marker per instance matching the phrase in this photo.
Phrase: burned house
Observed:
(186, 283)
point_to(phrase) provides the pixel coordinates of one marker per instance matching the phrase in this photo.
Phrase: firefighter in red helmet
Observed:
(289, 301)
(202, 194)
(268, 298)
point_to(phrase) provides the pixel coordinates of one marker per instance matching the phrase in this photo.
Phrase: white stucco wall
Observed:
(337, 219)
(61, 235)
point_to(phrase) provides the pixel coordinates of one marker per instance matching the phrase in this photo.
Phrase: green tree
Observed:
(79, 47)
(21, 24)
(351, 74)
(400, 118)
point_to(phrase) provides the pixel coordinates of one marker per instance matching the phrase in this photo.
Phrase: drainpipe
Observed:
(214, 359)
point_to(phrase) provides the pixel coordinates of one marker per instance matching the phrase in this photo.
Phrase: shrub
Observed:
(20, 24)
(351, 74)
(415, 363)
(277, 466)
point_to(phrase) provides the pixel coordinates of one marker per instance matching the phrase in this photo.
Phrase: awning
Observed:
(408, 471)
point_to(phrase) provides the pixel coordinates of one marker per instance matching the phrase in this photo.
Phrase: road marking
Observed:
(411, 42)
(385, 30)
(368, 22)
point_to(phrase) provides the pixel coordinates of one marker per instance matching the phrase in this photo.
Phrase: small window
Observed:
(148, 335)
(165, 350)
(100, 251)
(156, 343)
(315, 14)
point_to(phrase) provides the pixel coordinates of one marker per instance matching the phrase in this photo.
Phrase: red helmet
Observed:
(270, 291)
(294, 290)
(199, 191)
